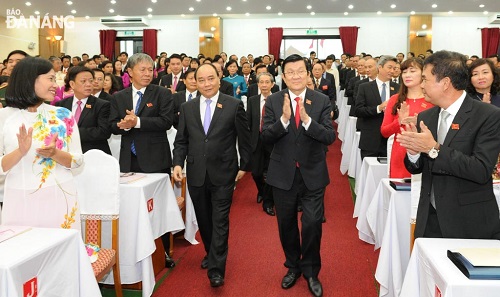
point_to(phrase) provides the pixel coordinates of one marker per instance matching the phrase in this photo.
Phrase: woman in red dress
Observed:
(401, 109)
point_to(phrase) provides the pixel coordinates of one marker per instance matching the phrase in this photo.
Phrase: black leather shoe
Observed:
(299, 208)
(216, 280)
(289, 280)
(169, 262)
(259, 199)
(204, 263)
(269, 211)
(315, 286)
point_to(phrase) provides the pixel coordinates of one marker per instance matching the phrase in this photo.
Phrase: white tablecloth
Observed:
(395, 246)
(430, 271)
(370, 174)
(56, 257)
(343, 119)
(355, 157)
(140, 226)
(350, 132)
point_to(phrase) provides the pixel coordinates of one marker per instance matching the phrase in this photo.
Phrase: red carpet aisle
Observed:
(255, 261)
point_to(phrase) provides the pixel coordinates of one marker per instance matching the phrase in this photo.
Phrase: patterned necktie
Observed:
(190, 97)
(317, 83)
(139, 99)
(78, 111)
(383, 93)
(297, 112)
(174, 86)
(208, 116)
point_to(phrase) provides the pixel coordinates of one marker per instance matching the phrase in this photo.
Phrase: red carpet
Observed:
(255, 260)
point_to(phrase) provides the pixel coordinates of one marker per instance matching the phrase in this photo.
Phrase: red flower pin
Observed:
(455, 126)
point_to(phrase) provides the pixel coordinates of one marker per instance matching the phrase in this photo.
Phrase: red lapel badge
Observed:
(149, 105)
(219, 105)
(308, 101)
(325, 88)
(88, 106)
(455, 126)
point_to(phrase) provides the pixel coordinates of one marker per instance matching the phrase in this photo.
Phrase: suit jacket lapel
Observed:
(146, 97)
(196, 112)
(375, 91)
(219, 106)
(432, 122)
(459, 120)
(129, 101)
(86, 109)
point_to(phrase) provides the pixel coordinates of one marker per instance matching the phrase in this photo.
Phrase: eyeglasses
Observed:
(298, 73)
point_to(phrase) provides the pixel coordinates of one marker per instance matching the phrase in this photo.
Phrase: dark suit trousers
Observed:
(286, 211)
(211, 204)
(260, 164)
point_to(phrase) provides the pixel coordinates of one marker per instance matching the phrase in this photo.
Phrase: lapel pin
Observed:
(219, 105)
(325, 87)
(308, 101)
(149, 104)
(455, 126)
(88, 106)
(392, 88)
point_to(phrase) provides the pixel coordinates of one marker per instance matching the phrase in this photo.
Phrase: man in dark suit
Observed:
(174, 81)
(323, 85)
(260, 151)
(371, 73)
(354, 70)
(184, 96)
(142, 114)
(455, 146)
(90, 113)
(253, 89)
(209, 128)
(370, 105)
(225, 86)
(343, 71)
(98, 85)
(297, 122)
(266, 59)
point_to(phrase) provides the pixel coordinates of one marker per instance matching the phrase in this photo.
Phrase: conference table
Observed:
(148, 209)
(430, 273)
(44, 262)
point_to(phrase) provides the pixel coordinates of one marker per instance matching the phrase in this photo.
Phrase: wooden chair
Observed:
(98, 189)
(181, 202)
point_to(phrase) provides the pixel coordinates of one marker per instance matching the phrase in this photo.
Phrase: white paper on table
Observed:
(481, 256)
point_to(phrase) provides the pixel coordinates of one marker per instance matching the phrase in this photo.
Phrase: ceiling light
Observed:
(350, 6)
(424, 26)
(412, 12)
(228, 8)
(150, 9)
(481, 5)
(87, 17)
(183, 15)
(247, 14)
(346, 13)
(434, 5)
(69, 2)
(191, 8)
(73, 11)
(154, 1)
(28, 3)
(111, 10)
(213, 29)
(309, 7)
(393, 6)
(450, 12)
(37, 12)
(280, 13)
(379, 12)
(198, 0)
(268, 7)
(485, 12)
(112, 2)
(214, 14)
(313, 13)
(150, 15)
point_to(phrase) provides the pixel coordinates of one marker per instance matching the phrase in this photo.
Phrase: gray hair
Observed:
(52, 59)
(386, 58)
(265, 74)
(139, 58)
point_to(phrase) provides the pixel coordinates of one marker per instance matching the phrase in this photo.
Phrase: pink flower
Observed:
(59, 143)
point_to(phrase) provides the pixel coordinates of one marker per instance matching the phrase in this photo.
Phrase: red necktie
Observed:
(78, 111)
(297, 112)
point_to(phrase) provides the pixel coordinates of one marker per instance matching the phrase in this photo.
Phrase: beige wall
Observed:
(12, 39)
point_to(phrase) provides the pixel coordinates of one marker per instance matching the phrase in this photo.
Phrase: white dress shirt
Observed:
(135, 98)
(294, 107)
(74, 106)
(203, 106)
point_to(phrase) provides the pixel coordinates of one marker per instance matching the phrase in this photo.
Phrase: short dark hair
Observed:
(291, 59)
(411, 54)
(312, 52)
(213, 67)
(20, 92)
(17, 52)
(429, 51)
(82, 63)
(257, 60)
(330, 57)
(189, 71)
(230, 62)
(474, 56)
(123, 53)
(77, 58)
(449, 64)
(175, 56)
(97, 70)
(115, 85)
(74, 71)
(260, 66)
(495, 86)
(104, 63)
(84, 54)
(66, 57)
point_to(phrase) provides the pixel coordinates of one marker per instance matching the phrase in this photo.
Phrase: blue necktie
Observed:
(208, 116)
(139, 93)
(190, 97)
(383, 94)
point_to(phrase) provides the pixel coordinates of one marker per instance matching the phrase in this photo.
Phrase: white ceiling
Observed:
(255, 8)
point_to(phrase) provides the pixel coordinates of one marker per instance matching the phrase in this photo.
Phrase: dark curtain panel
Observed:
(274, 38)
(489, 40)
(107, 39)
(150, 42)
(349, 39)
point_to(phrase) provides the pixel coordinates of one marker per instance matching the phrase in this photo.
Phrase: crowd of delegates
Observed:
(290, 103)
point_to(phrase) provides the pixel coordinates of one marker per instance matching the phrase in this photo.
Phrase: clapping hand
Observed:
(404, 115)
(24, 139)
(304, 117)
(48, 151)
(416, 142)
(287, 110)
(129, 121)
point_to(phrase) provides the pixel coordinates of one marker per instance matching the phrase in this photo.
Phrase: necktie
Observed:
(262, 114)
(139, 99)
(174, 86)
(383, 93)
(208, 116)
(78, 111)
(190, 97)
(441, 135)
(297, 112)
(317, 83)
